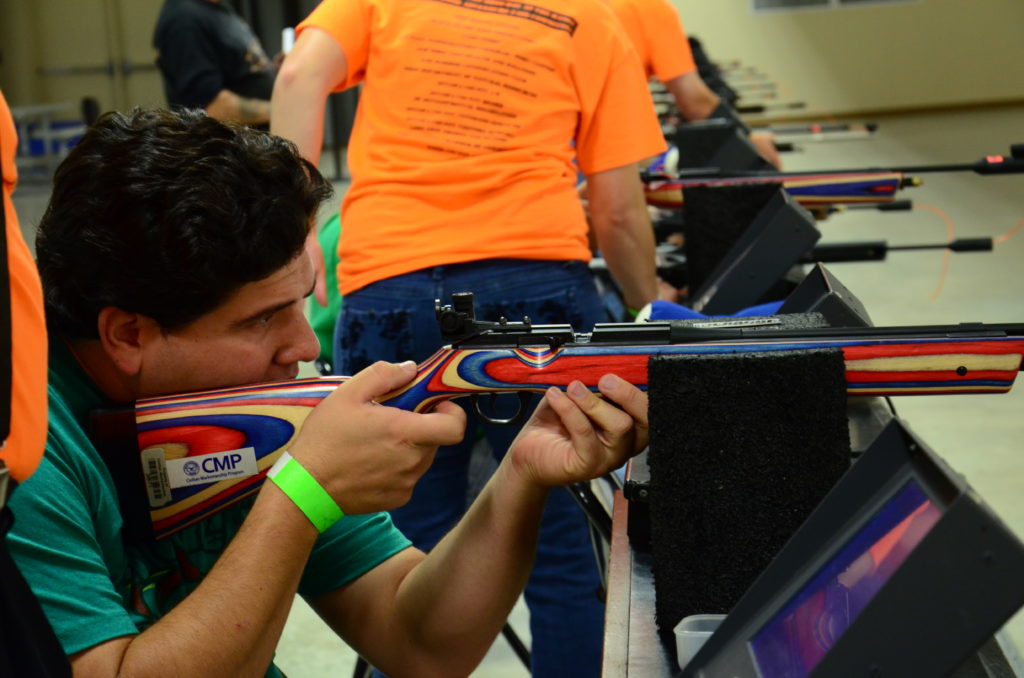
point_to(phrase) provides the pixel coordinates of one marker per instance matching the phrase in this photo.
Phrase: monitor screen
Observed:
(796, 638)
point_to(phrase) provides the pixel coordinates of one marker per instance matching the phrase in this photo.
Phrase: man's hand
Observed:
(369, 456)
(764, 142)
(575, 435)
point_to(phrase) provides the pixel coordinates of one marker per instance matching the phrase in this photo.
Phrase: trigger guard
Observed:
(518, 418)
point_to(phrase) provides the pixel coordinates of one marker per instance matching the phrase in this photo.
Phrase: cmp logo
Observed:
(203, 469)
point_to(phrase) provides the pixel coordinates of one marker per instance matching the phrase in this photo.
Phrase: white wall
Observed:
(923, 54)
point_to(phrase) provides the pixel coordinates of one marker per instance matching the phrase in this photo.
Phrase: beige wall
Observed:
(16, 50)
(41, 39)
(928, 53)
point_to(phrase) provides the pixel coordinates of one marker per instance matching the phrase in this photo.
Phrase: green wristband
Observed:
(306, 493)
(632, 311)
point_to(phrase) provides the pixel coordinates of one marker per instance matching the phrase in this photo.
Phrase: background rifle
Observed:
(876, 250)
(862, 129)
(822, 131)
(822, 187)
(767, 108)
(812, 189)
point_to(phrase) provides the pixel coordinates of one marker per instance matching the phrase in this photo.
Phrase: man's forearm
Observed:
(297, 114)
(230, 106)
(437, 615)
(629, 252)
(310, 72)
(694, 99)
(462, 593)
(230, 625)
(618, 217)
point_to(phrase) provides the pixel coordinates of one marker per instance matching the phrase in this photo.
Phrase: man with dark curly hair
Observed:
(172, 260)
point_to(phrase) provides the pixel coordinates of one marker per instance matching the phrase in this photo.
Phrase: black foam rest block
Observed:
(743, 448)
(697, 146)
(714, 218)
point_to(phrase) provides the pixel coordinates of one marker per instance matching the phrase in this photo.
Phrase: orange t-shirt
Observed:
(469, 120)
(28, 329)
(657, 34)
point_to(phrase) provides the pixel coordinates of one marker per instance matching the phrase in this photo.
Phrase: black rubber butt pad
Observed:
(743, 448)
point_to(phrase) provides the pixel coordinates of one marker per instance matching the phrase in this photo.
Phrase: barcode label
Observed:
(154, 467)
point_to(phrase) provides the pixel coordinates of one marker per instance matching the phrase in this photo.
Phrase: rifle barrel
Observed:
(876, 250)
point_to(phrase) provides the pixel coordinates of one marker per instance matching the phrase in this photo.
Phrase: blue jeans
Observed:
(394, 320)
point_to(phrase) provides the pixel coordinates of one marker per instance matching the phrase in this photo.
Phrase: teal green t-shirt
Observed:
(68, 535)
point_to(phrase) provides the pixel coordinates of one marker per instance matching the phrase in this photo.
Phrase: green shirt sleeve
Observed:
(58, 543)
(351, 548)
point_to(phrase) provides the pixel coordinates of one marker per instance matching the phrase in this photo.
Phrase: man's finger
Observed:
(574, 420)
(604, 416)
(377, 380)
(445, 425)
(626, 396)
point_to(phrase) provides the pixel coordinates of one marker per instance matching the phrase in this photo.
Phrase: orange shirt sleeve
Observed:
(618, 124)
(348, 23)
(670, 50)
(657, 33)
(27, 437)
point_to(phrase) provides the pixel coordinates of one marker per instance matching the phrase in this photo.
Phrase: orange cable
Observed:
(999, 240)
(949, 238)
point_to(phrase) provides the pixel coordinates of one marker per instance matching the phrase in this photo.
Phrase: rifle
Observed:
(821, 187)
(876, 250)
(767, 108)
(830, 131)
(252, 425)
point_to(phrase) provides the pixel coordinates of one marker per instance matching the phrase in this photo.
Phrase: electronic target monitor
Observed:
(902, 570)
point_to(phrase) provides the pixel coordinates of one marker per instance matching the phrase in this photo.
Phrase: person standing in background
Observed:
(210, 58)
(28, 646)
(657, 33)
(472, 122)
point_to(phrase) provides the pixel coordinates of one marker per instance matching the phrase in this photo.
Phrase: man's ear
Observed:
(123, 335)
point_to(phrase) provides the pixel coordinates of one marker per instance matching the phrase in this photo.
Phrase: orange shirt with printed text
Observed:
(657, 34)
(27, 438)
(469, 121)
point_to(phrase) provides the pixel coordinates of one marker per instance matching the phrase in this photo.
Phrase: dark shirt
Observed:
(204, 47)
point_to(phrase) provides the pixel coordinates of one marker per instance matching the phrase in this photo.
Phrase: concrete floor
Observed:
(979, 436)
